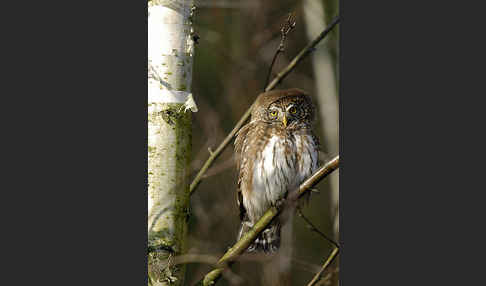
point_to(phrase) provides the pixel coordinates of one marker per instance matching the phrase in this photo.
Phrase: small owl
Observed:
(275, 152)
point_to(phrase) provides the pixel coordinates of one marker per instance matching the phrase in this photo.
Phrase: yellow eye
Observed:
(293, 110)
(273, 113)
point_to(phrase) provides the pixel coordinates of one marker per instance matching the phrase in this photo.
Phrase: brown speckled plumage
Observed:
(275, 152)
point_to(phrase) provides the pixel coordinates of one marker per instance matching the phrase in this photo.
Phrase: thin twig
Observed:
(328, 261)
(306, 51)
(203, 258)
(218, 151)
(192, 258)
(220, 167)
(312, 227)
(245, 241)
(325, 280)
(284, 31)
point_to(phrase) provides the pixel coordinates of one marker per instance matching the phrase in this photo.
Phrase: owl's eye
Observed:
(293, 110)
(273, 113)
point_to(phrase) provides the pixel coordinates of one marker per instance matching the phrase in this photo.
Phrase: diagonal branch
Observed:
(302, 54)
(305, 52)
(313, 228)
(328, 261)
(264, 221)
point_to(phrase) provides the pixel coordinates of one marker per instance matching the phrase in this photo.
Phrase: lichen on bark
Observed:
(169, 135)
(169, 152)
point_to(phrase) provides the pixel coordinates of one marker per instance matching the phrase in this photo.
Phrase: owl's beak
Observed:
(284, 121)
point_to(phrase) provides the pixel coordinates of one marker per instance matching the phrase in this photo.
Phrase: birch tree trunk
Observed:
(326, 84)
(170, 57)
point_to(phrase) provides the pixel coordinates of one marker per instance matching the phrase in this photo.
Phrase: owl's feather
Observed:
(239, 144)
(273, 159)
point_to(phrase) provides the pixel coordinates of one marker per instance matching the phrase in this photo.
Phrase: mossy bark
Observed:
(169, 152)
(169, 137)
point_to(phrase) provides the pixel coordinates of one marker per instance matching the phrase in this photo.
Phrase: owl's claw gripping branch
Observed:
(280, 203)
(264, 221)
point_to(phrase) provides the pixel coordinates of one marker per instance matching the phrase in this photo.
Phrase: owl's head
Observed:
(289, 108)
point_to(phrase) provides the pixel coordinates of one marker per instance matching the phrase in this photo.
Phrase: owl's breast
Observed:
(281, 166)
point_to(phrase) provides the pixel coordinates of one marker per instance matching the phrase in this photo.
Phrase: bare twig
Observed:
(245, 241)
(318, 275)
(203, 258)
(312, 227)
(284, 31)
(192, 258)
(328, 261)
(305, 266)
(220, 167)
(218, 151)
(320, 174)
(306, 51)
(326, 280)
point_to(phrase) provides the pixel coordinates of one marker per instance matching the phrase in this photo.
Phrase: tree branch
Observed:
(245, 241)
(284, 31)
(305, 52)
(328, 261)
(312, 227)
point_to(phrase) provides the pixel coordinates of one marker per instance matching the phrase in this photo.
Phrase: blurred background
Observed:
(238, 40)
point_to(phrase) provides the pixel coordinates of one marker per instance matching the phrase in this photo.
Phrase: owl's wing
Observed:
(239, 144)
(241, 161)
(317, 143)
(316, 140)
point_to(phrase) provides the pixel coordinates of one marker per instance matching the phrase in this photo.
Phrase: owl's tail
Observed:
(267, 241)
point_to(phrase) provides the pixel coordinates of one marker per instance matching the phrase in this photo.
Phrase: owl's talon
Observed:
(279, 203)
(251, 248)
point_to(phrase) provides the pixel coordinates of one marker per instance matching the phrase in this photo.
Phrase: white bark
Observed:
(327, 94)
(170, 57)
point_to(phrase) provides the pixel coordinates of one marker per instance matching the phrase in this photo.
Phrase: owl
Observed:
(275, 152)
